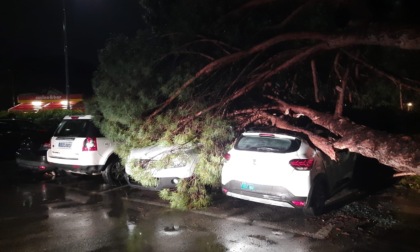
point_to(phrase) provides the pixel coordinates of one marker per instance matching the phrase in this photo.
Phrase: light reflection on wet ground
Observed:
(80, 214)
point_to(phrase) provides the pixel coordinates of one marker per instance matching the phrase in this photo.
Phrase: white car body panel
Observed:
(75, 155)
(157, 153)
(242, 166)
(268, 177)
(67, 149)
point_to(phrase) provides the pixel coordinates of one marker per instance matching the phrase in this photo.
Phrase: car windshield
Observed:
(77, 128)
(267, 144)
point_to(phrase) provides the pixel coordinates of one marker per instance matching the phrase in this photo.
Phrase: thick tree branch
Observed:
(342, 89)
(263, 117)
(398, 151)
(315, 80)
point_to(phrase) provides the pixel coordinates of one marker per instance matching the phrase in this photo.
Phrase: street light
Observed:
(409, 106)
(66, 60)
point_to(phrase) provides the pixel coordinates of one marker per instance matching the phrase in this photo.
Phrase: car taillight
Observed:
(47, 145)
(227, 156)
(90, 144)
(302, 164)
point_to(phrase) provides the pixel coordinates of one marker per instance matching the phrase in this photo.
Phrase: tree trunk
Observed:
(315, 80)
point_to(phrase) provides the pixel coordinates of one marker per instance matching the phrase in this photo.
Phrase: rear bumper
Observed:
(80, 169)
(270, 195)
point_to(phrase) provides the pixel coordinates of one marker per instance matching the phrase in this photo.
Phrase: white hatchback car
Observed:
(166, 165)
(283, 170)
(77, 146)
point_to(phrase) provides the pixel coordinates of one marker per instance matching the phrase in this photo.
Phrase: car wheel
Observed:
(317, 199)
(113, 174)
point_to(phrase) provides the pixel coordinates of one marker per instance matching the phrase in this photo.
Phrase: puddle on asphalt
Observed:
(160, 229)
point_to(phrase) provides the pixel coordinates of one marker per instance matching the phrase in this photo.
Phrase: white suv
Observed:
(77, 146)
(283, 170)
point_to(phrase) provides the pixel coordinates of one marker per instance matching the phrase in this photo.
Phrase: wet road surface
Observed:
(76, 213)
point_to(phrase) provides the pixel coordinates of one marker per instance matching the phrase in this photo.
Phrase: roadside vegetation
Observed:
(46, 119)
(411, 182)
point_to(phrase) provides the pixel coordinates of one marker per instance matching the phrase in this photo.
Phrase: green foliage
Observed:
(143, 176)
(190, 194)
(412, 182)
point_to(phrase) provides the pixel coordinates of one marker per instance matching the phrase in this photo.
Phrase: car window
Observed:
(77, 128)
(267, 144)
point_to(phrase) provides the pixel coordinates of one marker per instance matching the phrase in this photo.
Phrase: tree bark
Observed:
(340, 89)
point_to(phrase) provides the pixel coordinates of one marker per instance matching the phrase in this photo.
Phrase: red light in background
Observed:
(298, 203)
(47, 145)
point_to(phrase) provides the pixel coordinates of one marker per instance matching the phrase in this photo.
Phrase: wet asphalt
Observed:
(80, 213)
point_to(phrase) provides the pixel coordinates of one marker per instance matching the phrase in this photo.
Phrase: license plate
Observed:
(246, 186)
(64, 144)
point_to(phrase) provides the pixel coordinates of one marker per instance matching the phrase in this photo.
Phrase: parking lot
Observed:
(80, 213)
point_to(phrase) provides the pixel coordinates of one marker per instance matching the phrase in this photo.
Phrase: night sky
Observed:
(31, 42)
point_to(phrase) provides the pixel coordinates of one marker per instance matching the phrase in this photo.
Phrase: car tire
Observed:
(318, 196)
(114, 172)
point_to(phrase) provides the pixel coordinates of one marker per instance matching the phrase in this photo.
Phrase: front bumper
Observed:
(163, 183)
(265, 194)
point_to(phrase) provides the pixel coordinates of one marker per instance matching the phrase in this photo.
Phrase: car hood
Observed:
(151, 152)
